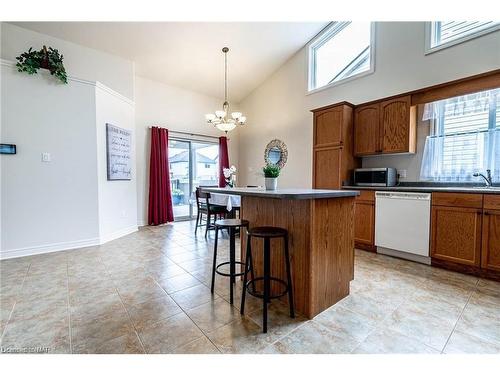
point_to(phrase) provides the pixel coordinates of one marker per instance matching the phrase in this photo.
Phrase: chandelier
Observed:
(221, 119)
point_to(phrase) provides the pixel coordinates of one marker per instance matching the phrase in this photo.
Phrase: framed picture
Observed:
(118, 149)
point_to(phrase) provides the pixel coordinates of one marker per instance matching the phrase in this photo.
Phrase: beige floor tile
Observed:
(479, 322)
(387, 341)
(462, 343)
(180, 282)
(212, 315)
(126, 344)
(192, 297)
(146, 314)
(141, 291)
(314, 338)
(370, 308)
(238, 337)
(344, 322)
(431, 304)
(169, 334)
(104, 308)
(198, 346)
(429, 329)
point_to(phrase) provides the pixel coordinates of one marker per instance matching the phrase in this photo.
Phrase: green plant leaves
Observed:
(31, 61)
(271, 171)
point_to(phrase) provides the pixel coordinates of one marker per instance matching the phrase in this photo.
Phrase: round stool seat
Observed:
(231, 223)
(267, 232)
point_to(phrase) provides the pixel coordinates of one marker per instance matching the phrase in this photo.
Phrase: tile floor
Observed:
(149, 293)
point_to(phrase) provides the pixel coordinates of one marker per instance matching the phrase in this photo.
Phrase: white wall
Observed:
(66, 203)
(279, 108)
(117, 199)
(79, 61)
(47, 206)
(177, 110)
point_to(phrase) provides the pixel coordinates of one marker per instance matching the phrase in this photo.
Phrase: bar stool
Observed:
(267, 233)
(231, 225)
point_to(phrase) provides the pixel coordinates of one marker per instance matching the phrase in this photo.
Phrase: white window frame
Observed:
(325, 35)
(429, 36)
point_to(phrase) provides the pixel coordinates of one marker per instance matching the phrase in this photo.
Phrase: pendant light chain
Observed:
(225, 76)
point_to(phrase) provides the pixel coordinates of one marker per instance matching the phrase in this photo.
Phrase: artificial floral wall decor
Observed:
(50, 59)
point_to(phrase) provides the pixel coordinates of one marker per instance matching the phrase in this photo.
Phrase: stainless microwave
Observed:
(375, 177)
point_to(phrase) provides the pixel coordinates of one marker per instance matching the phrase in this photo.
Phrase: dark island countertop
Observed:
(284, 193)
(431, 189)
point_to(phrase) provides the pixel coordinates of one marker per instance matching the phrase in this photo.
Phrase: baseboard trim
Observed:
(117, 234)
(49, 248)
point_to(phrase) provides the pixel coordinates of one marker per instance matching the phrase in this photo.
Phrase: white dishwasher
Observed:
(402, 222)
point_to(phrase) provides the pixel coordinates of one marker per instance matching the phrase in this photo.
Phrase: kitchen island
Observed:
(320, 224)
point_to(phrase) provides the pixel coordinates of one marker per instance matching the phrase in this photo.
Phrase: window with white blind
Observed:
(464, 139)
(342, 51)
(443, 34)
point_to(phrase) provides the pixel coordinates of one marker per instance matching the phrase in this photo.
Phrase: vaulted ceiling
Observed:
(188, 54)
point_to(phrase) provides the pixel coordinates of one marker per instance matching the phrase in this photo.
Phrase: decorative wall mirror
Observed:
(276, 153)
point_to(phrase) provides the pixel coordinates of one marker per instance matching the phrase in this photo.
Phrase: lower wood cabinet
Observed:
(327, 166)
(490, 256)
(456, 234)
(364, 221)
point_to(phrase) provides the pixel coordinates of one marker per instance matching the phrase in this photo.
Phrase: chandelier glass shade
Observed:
(221, 119)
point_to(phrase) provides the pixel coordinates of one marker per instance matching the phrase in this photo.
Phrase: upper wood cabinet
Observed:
(327, 131)
(398, 125)
(366, 130)
(333, 157)
(385, 127)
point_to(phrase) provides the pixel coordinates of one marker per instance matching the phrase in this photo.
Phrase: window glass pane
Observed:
(447, 31)
(344, 54)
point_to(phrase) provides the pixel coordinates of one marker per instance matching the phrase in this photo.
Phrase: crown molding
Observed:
(96, 84)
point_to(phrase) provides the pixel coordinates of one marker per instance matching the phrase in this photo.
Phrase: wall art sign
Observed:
(7, 148)
(118, 149)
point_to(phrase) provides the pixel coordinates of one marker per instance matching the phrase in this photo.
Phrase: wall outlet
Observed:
(46, 157)
(402, 173)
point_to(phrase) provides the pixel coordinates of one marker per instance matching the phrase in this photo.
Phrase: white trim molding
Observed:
(117, 234)
(96, 84)
(48, 248)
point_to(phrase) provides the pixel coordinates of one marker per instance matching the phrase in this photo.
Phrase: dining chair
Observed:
(204, 207)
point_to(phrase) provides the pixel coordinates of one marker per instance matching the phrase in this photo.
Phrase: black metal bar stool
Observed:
(231, 225)
(267, 233)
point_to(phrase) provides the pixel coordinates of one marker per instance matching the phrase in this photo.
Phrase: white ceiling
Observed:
(188, 54)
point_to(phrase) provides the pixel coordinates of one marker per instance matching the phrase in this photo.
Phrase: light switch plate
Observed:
(45, 157)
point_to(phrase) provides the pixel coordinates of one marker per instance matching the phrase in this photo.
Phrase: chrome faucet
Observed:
(487, 178)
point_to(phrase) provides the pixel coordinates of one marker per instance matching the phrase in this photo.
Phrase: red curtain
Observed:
(223, 160)
(160, 196)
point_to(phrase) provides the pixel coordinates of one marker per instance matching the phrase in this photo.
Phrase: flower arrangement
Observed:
(230, 175)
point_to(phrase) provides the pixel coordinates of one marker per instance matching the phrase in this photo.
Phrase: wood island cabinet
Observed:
(385, 127)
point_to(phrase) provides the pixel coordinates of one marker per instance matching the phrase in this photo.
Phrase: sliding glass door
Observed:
(192, 163)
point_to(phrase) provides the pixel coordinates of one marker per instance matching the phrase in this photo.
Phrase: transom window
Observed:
(464, 138)
(442, 34)
(342, 51)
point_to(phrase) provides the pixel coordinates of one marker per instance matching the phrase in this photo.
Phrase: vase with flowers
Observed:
(230, 175)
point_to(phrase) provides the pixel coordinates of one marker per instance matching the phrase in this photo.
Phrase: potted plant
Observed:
(177, 195)
(47, 58)
(271, 173)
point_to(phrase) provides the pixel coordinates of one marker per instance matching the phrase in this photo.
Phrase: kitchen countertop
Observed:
(284, 193)
(430, 189)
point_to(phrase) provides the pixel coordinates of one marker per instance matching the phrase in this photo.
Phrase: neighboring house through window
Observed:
(342, 51)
